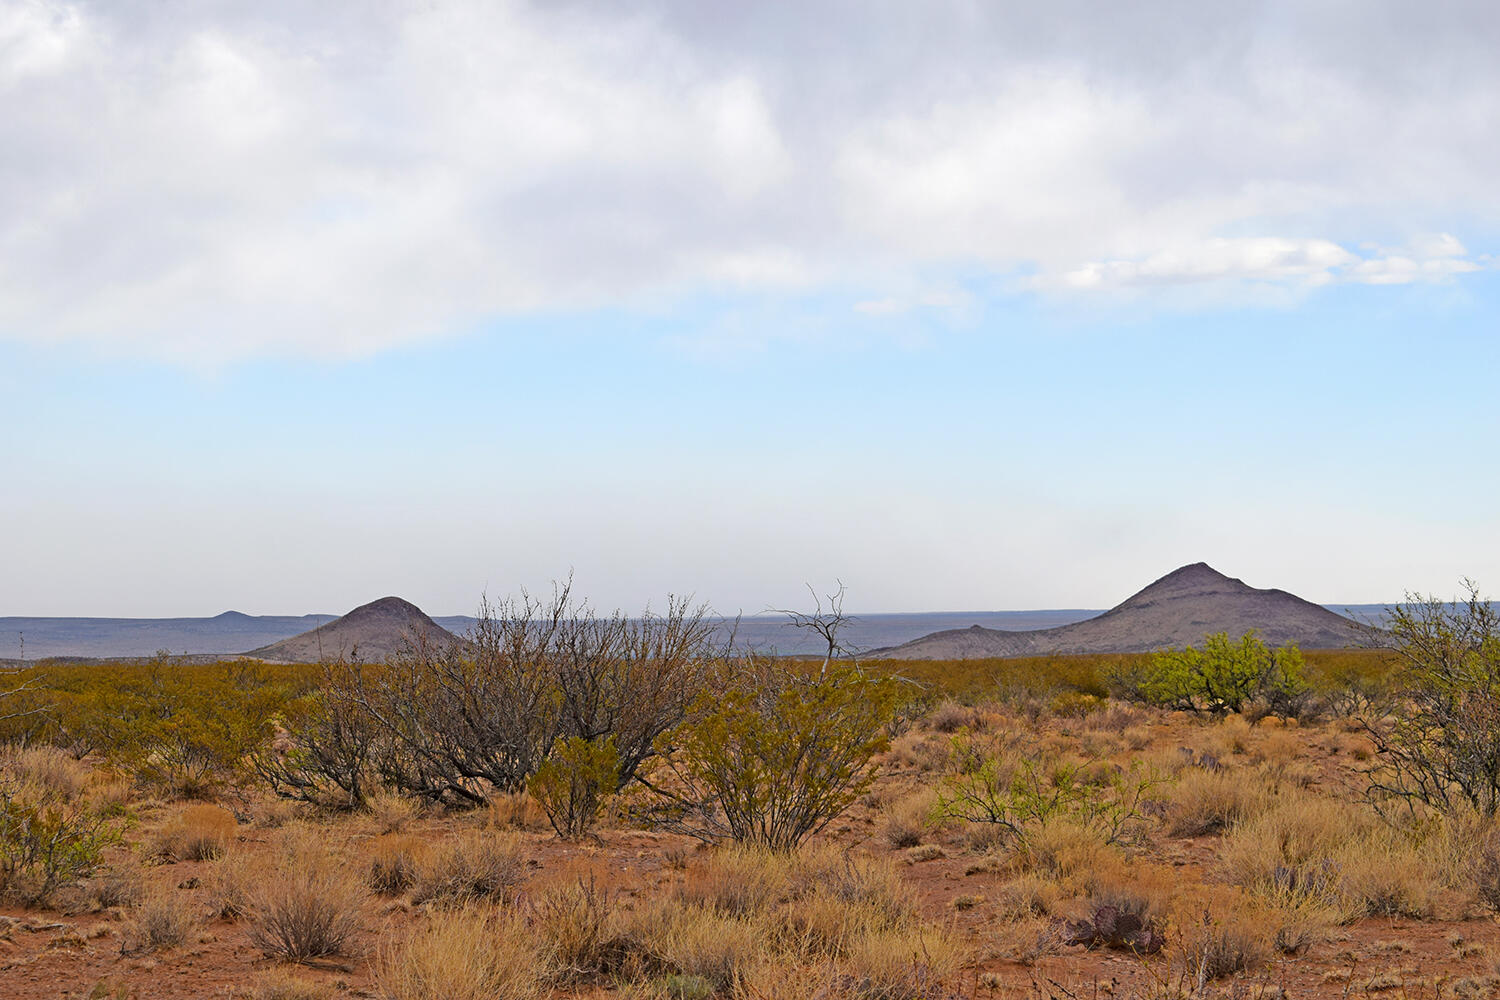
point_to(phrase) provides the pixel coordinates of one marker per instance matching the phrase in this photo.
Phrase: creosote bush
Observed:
(773, 753)
(1222, 677)
(46, 842)
(1440, 746)
(573, 782)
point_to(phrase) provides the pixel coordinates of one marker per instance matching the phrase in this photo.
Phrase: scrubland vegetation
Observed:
(576, 806)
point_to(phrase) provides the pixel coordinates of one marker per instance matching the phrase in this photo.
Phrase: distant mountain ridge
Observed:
(1177, 610)
(373, 632)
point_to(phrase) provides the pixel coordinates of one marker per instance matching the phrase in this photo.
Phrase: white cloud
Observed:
(1301, 263)
(214, 182)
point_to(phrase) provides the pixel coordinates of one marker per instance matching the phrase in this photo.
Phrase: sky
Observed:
(965, 305)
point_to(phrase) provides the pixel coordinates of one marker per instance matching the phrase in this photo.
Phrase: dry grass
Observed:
(737, 881)
(391, 813)
(465, 954)
(230, 886)
(1205, 802)
(283, 984)
(1315, 851)
(910, 818)
(47, 768)
(576, 926)
(200, 833)
(514, 811)
(307, 906)
(164, 919)
(472, 867)
(393, 863)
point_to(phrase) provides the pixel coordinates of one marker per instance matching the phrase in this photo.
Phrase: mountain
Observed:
(1177, 610)
(373, 632)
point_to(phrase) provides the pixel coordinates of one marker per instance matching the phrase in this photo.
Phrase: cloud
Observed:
(1305, 263)
(211, 182)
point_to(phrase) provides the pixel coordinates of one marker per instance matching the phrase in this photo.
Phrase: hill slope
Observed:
(1177, 610)
(375, 631)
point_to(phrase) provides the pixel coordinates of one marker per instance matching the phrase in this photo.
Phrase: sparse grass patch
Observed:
(283, 984)
(200, 833)
(472, 867)
(164, 919)
(394, 862)
(1204, 802)
(464, 954)
(307, 905)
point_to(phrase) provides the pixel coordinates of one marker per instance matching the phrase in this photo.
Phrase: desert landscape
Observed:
(563, 804)
(680, 500)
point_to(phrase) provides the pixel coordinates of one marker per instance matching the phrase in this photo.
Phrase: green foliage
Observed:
(1440, 746)
(572, 783)
(1222, 677)
(775, 753)
(46, 843)
(1010, 788)
(186, 728)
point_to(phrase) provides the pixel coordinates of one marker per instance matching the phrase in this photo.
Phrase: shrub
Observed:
(777, 754)
(1221, 677)
(462, 955)
(307, 906)
(334, 742)
(575, 924)
(1441, 747)
(463, 721)
(1017, 792)
(163, 920)
(572, 783)
(200, 833)
(469, 868)
(45, 843)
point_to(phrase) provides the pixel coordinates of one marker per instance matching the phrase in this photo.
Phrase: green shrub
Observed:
(45, 843)
(572, 783)
(775, 753)
(1222, 677)
(1014, 791)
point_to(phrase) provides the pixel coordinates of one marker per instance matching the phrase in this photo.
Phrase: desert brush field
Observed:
(1068, 827)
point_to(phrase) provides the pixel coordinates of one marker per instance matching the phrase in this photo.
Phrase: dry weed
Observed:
(164, 919)
(463, 954)
(200, 833)
(391, 813)
(394, 862)
(472, 867)
(308, 905)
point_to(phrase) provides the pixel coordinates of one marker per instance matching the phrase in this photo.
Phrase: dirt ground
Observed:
(1453, 953)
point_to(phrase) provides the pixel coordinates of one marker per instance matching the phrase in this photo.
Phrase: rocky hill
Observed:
(373, 632)
(1177, 610)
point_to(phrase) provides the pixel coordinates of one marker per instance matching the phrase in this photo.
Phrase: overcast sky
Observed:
(969, 305)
